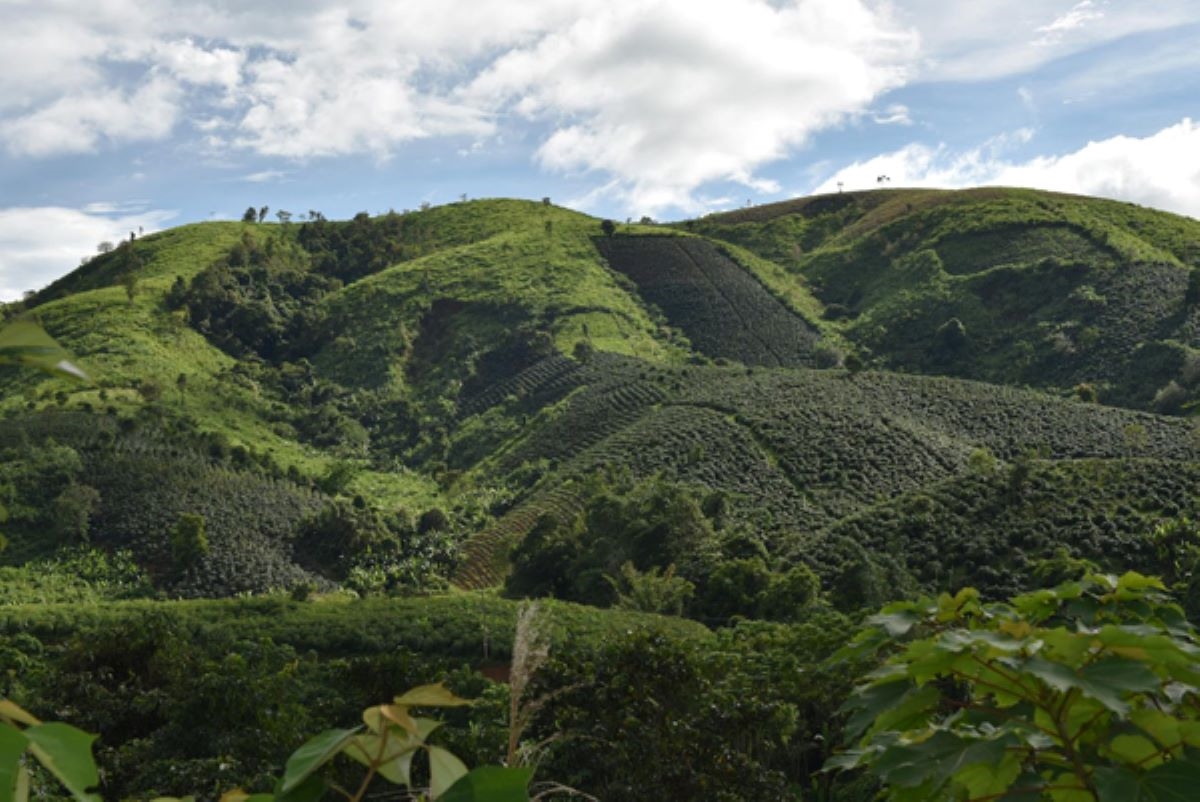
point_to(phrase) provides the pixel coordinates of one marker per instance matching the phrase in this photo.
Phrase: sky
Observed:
(124, 115)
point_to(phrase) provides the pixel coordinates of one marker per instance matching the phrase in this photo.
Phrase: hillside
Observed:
(465, 372)
(385, 430)
(1007, 286)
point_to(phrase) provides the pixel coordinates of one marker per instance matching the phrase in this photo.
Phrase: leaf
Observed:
(66, 752)
(238, 795)
(1173, 781)
(911, 711)
(430, 696)
(310, 790)
(392, 760)
(1136, 750)
(12, 712)
(871, 701)
(375, 718)
(1158, 725)
(490, 784)
(12, 745)
(988, 779)
(444, 770)
(896, 624)
(23, 342)
(1119, 673)
(1133, 585)
(316, 752)
(1105, 681)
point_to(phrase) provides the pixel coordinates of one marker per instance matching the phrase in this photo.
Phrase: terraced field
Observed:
(801, 452)
(720, 306)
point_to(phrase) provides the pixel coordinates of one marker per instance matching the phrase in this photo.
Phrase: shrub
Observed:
(1084, 692)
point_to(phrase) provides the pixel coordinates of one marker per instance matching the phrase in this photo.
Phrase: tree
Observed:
(71, 511)
(608, 227)
(189, 540)
(105, 247)
(262, 213)
(1082, 693)
(129, 281)
(285, 217)
(250, 216)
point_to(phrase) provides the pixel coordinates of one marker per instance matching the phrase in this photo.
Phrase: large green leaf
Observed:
(444, 770)
(66, 752)
(393, 759)
(23, 342)
(318, 751)
(490, 784)
(1106, 681)
(12, 745)
(872, 701)
(312, 789)
(1173, 781)
(430, 696)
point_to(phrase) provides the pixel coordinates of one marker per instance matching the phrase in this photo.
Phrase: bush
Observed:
(1083, 692)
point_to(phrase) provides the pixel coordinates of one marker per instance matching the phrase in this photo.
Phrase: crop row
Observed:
(722, 309)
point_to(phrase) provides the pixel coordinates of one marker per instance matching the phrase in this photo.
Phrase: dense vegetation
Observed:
(756, 425)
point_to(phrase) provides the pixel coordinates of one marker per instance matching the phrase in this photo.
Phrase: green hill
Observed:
(765, 421)
(1000, 285)
(482, 362)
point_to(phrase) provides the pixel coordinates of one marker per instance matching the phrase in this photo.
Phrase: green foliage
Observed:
(720, 306)
(1054, 290)
(189, 541)
(1083, 692)
(70, 512)
(654, 525)
(652, 591)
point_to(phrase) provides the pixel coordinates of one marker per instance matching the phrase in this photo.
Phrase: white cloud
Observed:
(667, 96)
(1080, 15)
(1161, 170)
(40, 244)
(265, 176)
(895, 114)
(79, 123)
(986, 39)
(661, 99)
(203, 67)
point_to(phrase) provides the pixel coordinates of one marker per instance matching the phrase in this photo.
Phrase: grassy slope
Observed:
(801, 451)
(1053, 290)
(811, 448)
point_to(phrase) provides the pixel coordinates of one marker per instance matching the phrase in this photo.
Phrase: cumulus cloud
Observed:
(78, 123)
(661, 100)
(663, 95)
(665, 99)
(1161, 170)
(40, 244)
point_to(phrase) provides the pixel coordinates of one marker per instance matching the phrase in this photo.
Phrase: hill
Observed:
(766, 421)
(1002, 285)
(463, 372)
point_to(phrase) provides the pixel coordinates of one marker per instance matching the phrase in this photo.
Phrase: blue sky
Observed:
(117, 115)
